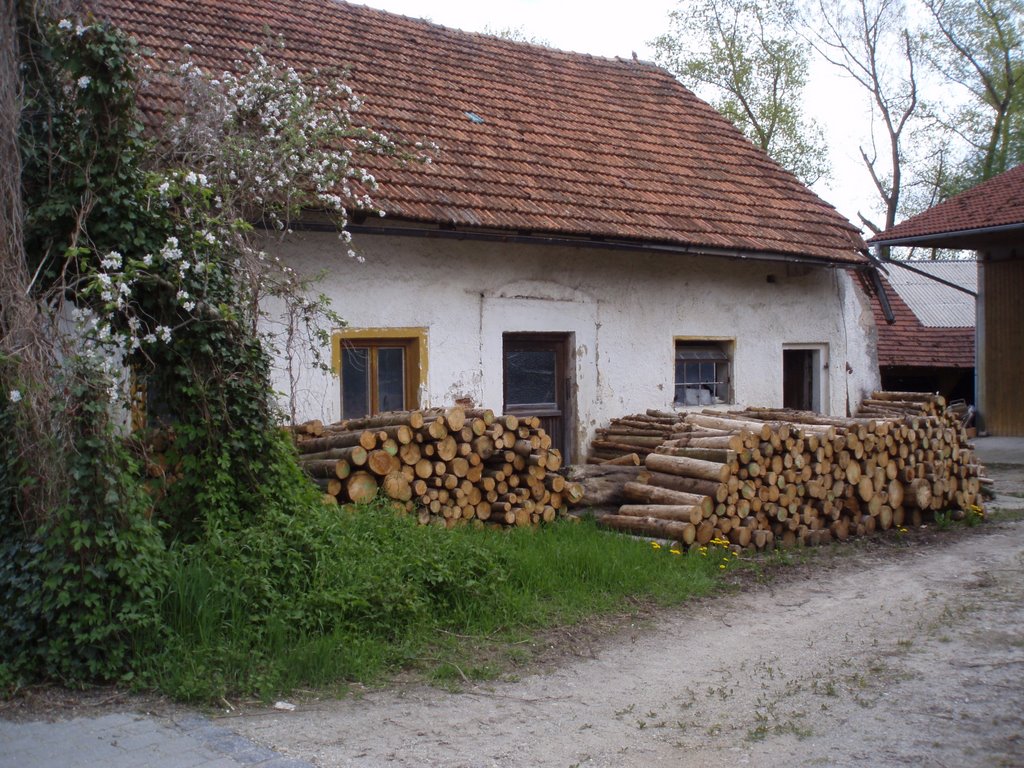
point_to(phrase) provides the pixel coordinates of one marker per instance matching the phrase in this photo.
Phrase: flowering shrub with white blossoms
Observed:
(269, 143)
(252, 147)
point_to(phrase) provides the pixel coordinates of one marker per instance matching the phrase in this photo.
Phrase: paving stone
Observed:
(124, 740)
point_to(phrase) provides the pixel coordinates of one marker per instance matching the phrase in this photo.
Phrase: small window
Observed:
(378, 374)
(702, 373)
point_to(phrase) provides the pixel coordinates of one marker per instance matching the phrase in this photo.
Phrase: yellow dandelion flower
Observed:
(655, 545)
(675, 552)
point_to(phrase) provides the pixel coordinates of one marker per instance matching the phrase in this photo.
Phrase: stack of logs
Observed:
(761, 476)
(447, 466)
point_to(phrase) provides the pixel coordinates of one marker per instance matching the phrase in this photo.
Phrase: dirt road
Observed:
(903, 655)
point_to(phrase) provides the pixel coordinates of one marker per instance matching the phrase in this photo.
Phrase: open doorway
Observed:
(802, 378)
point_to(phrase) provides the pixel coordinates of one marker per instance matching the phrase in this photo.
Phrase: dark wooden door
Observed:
(537, 382)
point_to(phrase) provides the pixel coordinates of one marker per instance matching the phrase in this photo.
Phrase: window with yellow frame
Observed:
(380, 369)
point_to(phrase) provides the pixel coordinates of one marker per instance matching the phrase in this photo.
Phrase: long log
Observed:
(412, 419)
(319, 444)
(921, 397)
(627, 459)
(617, 439)
(680, 465)
(677, 512)
(685, 484)
(652, 494)
(329, 468)
(649, 526)
(355, 455)
(719, 455)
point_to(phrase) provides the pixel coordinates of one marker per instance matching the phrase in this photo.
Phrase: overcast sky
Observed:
(621, 29)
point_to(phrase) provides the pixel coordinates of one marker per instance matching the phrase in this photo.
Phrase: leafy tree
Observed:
(871, 42)
(517, 34)
(745, 58)
(978, 46)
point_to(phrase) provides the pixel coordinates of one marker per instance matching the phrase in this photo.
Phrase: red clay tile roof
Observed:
(908, 343)
(571, 144)
(993, 203)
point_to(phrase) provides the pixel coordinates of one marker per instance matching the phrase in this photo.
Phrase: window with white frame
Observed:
(703, 373)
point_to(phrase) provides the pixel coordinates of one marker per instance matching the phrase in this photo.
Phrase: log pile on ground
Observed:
(761, 476)
(447, 466)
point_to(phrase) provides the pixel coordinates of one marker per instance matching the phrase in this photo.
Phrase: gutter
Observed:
(931, 239)
(935, 278)
(615, 245)
(879, 287)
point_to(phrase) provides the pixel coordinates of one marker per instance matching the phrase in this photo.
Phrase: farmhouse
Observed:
(987, 219)
(591, 239)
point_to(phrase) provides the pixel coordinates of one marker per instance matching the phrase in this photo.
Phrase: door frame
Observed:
(819, 374)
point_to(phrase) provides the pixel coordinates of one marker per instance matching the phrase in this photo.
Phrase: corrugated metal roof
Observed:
(937, 305)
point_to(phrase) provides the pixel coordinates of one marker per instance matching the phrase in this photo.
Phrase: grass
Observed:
(355, 596)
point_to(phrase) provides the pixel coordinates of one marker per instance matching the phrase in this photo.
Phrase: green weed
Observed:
(323, 596)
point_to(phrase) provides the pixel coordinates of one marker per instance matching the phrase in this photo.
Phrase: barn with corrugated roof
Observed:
(591, 240)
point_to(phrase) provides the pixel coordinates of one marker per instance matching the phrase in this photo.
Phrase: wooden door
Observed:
(537, 382)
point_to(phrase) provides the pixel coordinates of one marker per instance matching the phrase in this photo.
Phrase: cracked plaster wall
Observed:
(622, 310)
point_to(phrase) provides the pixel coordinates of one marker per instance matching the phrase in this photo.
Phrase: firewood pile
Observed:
(761, 476)
(447, 466)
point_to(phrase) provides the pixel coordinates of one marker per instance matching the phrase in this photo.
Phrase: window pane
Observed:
(391, 379)
(355, 382)
(531, 376)
(702, 375)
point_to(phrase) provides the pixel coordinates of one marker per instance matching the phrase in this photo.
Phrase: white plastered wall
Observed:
(623, 311)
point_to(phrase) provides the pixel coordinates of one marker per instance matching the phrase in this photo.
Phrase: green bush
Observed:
(313, 594)
(321, 595)
(77, 587)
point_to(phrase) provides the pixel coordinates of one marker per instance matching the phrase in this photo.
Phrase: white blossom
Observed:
(64, 24)
(83, 82)
(15, 396)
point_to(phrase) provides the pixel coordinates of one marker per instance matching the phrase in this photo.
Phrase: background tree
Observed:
(745, 59)
(978, 47)
(871, 42)
(517, 34)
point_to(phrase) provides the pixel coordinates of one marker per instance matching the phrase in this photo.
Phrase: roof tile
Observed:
(993, 203)
(571, 144)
